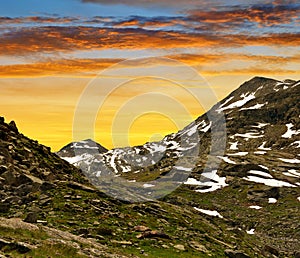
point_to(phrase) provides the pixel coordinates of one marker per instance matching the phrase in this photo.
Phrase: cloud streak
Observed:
(206, 63)
(57, 67)
(37, 19)
(264, 15)
(51, 39)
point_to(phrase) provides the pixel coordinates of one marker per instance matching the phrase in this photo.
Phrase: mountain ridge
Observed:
(253, 112)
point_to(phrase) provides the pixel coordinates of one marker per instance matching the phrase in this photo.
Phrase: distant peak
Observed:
(260, 78)
(83, 146)
(88, 140)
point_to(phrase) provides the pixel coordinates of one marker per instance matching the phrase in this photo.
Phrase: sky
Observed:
(134, 71)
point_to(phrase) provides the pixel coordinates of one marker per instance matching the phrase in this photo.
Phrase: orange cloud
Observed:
(266, 15)
(126, 23)
(56, 67)
(36, 19)
(154, 22)
(196, 59)
(254, 71)
(90, 67)
(51, 39)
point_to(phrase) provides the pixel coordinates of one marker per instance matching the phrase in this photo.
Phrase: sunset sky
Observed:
(51, 51)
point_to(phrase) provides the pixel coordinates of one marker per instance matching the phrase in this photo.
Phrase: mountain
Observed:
(254, 134)
(227, 206)
(82, 149)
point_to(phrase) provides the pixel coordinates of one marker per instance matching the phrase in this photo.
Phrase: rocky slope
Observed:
(38, 187)
(49, 209)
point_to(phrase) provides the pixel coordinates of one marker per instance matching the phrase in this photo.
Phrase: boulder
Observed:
(12, 125)
(31, 217)
(236, 254)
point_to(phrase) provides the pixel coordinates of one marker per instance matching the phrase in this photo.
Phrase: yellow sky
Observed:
(44, 107)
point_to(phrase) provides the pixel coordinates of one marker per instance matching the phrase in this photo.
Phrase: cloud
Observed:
(53, 39)
(265, 15)
(90, 67)
(153, 22)
(283, 2)
(37, 19)
(252, 70)
(126, 23)
(57, 67)
(165, 3)
(196, 59)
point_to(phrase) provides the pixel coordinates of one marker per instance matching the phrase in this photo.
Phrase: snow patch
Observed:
(257, 106)
(76, 159)
(260, 173)
(260, 125)
(262, 147)
(241, 153)
(182, 168)
(205, 129)
(294, 172)
(226, 102)
(217, 183)
(192, 130)
(112, 163)
(264, 167)
(256, 207)
(289, 133)
(289, 174)
(251, 231)
(209, 212)
(268, 181)
(233, 146)
(272, 200)
(249, 135)
(245, 98)
(293, 161)
(148, 185)
(296, 143)
(260, 152)
(227, 160)
(157, 147)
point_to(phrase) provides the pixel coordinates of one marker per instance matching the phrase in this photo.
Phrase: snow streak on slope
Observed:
(244, 99)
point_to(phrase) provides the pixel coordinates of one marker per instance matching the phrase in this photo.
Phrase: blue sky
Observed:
(75, 8)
